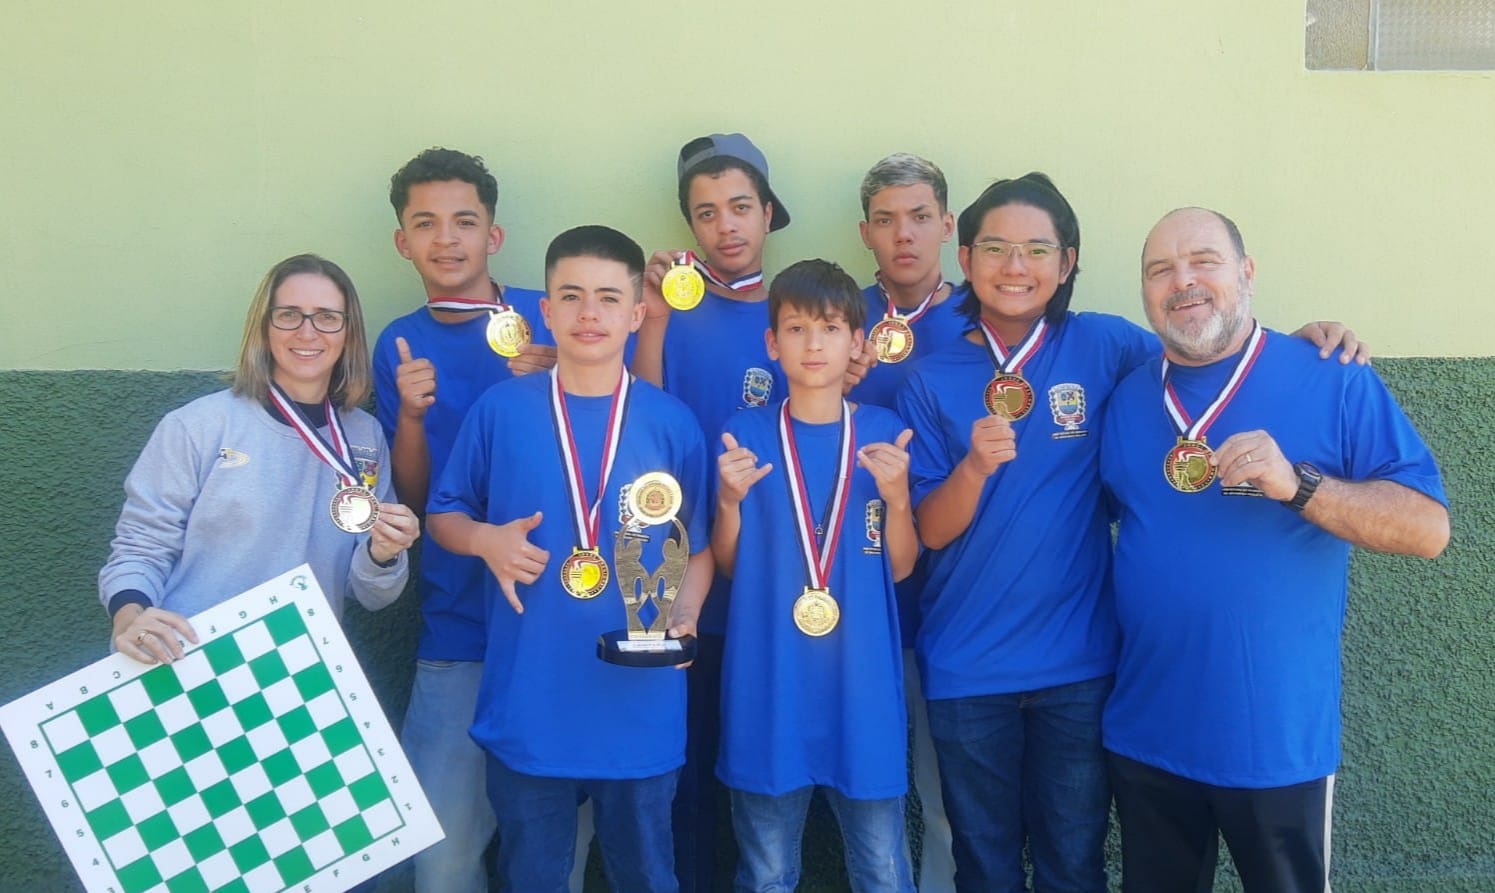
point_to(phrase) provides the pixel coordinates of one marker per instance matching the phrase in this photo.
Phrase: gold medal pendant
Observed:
(584, 574)
(682, 287)
(1187, 466)
(893, 339)
(354, 509)
(654, 498)
(1009, 396)
(815, 612)
(508, 333)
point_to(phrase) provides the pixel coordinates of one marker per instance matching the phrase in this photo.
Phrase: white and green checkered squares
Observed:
(239, 768)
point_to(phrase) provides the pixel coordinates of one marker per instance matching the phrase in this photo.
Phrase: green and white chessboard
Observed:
(259, 762)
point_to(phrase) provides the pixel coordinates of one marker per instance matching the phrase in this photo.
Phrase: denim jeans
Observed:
(770, 830)
(537, 829)
(1026, 767)
(450, 768)
(937, 867)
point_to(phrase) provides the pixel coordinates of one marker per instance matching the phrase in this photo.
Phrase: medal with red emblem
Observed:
(815, 612)
(354, 507)
(584, 573)
(1186, 466)
(893, 335)
(1008, 394)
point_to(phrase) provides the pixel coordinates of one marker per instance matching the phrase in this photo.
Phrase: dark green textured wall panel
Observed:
(1412, 813)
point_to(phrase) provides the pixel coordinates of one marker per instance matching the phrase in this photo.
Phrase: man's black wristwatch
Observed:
(1308, 482)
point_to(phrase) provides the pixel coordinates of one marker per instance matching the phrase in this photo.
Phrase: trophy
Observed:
(653, 500)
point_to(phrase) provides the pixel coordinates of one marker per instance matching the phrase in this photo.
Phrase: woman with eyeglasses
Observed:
(242, 485)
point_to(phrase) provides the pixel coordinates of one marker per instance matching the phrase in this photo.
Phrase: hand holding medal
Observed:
(682, 286)
(1189, 466)
(993, 443)
(1253, 458)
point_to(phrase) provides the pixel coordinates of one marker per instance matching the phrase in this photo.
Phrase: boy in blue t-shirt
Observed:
(813, 524)
(712, 358)
(537, 487)
(430, 366)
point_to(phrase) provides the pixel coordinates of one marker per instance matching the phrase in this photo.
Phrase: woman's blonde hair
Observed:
(352, 377)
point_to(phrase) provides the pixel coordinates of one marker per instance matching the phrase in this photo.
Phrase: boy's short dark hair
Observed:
(602, 242)
(820, 288)
(436, 165)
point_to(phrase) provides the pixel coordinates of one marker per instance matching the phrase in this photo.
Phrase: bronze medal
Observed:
(654, 498)
(1009, 396)
(584, 574)
(893, 339)
(508, 333)
(815, 612)
(682, 287)
(354, 509)
(1187, 466)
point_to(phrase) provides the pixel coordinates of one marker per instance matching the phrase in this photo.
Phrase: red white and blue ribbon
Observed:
(469, 305)
(915, 314)
(1194, 429)
(818, 558)
(738, 286)
(337, 455)
(1012, 362)
(587, 516)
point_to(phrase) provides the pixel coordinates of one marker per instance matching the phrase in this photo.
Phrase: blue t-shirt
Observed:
(1231, 607)
(451, 607)
(1021, 599)
(939, 327)
(716, 362)
(799, 710)
(547, 705)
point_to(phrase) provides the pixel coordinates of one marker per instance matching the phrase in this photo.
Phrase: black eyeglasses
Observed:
(289, 319)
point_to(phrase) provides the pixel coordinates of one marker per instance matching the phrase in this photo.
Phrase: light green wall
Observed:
(155, 159)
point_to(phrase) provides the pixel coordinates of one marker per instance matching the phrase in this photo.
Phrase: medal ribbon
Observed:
(818, 560)
(741, 284)
(469, 305)
(336, 454)
(1012, 363)
(915, 314)
(1190, 429)
(588, 518)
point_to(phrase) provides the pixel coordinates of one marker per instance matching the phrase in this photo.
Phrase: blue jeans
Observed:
(537, 829)
(450, 768)
(770, 830)
(1026, 767)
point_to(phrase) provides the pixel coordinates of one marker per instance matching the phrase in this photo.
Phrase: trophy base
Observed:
(616, 648)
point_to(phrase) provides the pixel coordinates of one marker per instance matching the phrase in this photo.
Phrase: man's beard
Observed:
(1205, 341)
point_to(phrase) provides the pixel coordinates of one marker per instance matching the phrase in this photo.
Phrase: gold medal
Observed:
(584, 574)
(508, 333)
(815, 612)
(654, 498)
(893, 339)
(354, 509)
(1187, 466)
(1009, 396)
(682, 287)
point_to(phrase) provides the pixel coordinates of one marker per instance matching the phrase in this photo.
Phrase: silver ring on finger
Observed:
(140, 640)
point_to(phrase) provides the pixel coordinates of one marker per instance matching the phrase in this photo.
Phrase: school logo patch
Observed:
(231, 458)
(1067, 405)
(367, 463)
(757, 386)
(872, 519)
